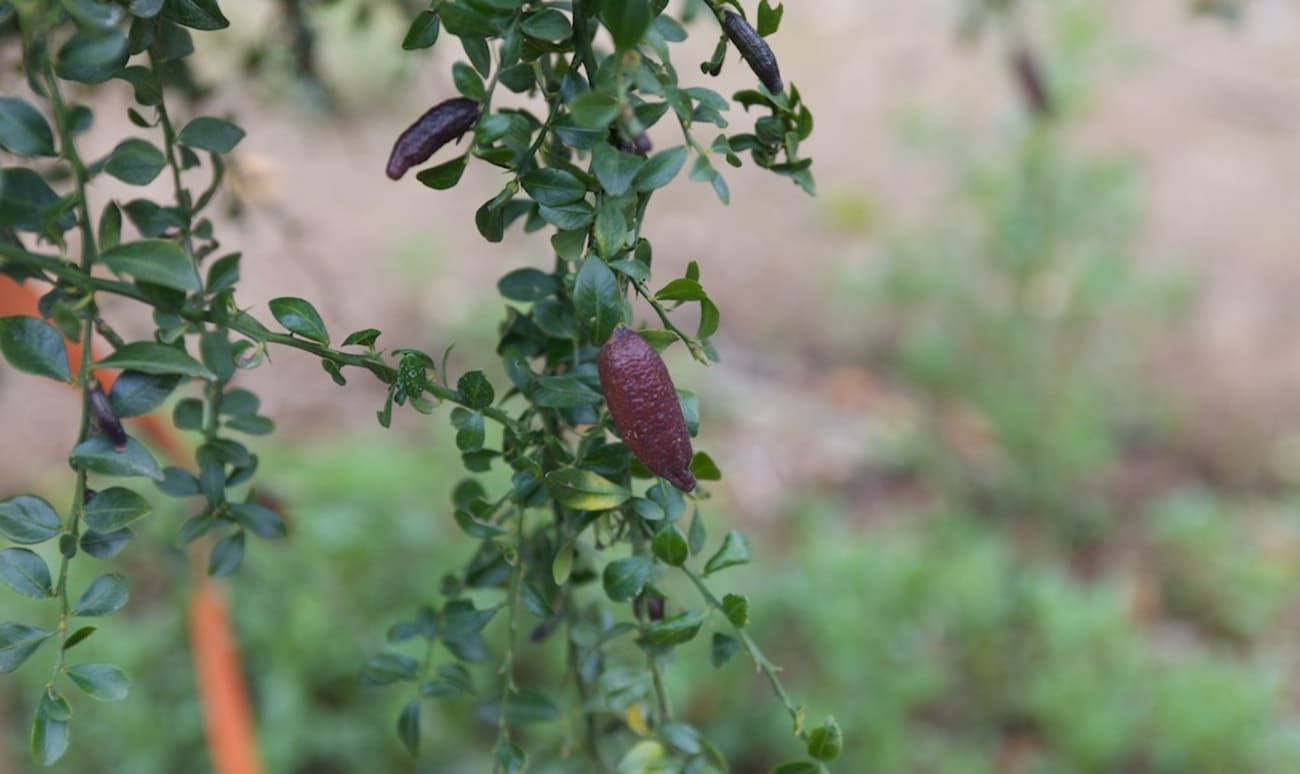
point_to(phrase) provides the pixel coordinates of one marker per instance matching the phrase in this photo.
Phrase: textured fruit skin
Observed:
(440, 124)
(644, 404)
(755, 51)
(105, 417)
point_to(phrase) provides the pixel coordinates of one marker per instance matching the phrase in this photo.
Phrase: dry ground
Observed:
(1210, 112)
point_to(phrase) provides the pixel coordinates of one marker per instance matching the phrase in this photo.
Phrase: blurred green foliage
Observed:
(942, 648)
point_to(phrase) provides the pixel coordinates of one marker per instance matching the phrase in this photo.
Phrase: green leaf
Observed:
(423, 31)
(490, 220)
(153, 358)
(724, 647)
(595, 109)
(523, 708)
(28, 520)
(704, 468)
(32, 345)
(670, 546)
(519, 78)
(94, 14)
(135, 162)
(260, 520)
(300, 317)
(511, 758)
(154, 260)
(690, 410)
(92, 58)
(681, 290)
(564, 391)
(227, 555)
(623, 579)
(615, 169)
(553, 187)
(648, 509)
(114, 508)
(50, 728)
(825, 742)
(239, 402)
(17, 643)
(110, 226)
(626, 21)
(214, 135)
(562, 564)
(105, 545)
(452, 680)
(548, 24)
(97, 455)
(583, 490)
(734, 551)
(479, 530)
(78, 637)
(568, 217)
(145, 9)
(364, 338)
(470, 430)
(660, 169)
(223, 273)
(27, 201)
(631, 268)
(146, 87)
(216, 353)
(673, 631)
(479, 54)
(23, 130)
(682, 736)
(187, 414)
(611, 229)
(445, 175)
(527, 285)
(596, 298)
(769, 18)
(105, 595)
(388, 668)
(710, 318)
(103, 682)
(468, 82)
(569, 245)
(475, 390)
(696, 535)
(463, 21)
(736, 608)
(196, 14)
(26, 573)
(408, 726)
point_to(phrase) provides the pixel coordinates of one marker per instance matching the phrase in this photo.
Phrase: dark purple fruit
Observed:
(644, 405)
(754, 50)
(105, 417)
(1032, 84)
(441, 124)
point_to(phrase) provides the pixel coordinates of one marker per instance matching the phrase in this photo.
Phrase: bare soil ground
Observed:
(1210, 112)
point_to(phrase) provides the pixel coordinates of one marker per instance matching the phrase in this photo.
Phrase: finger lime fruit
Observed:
(1031, 82)
(441, 124)
(754, 50)
(105, 417)
(645, 408)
